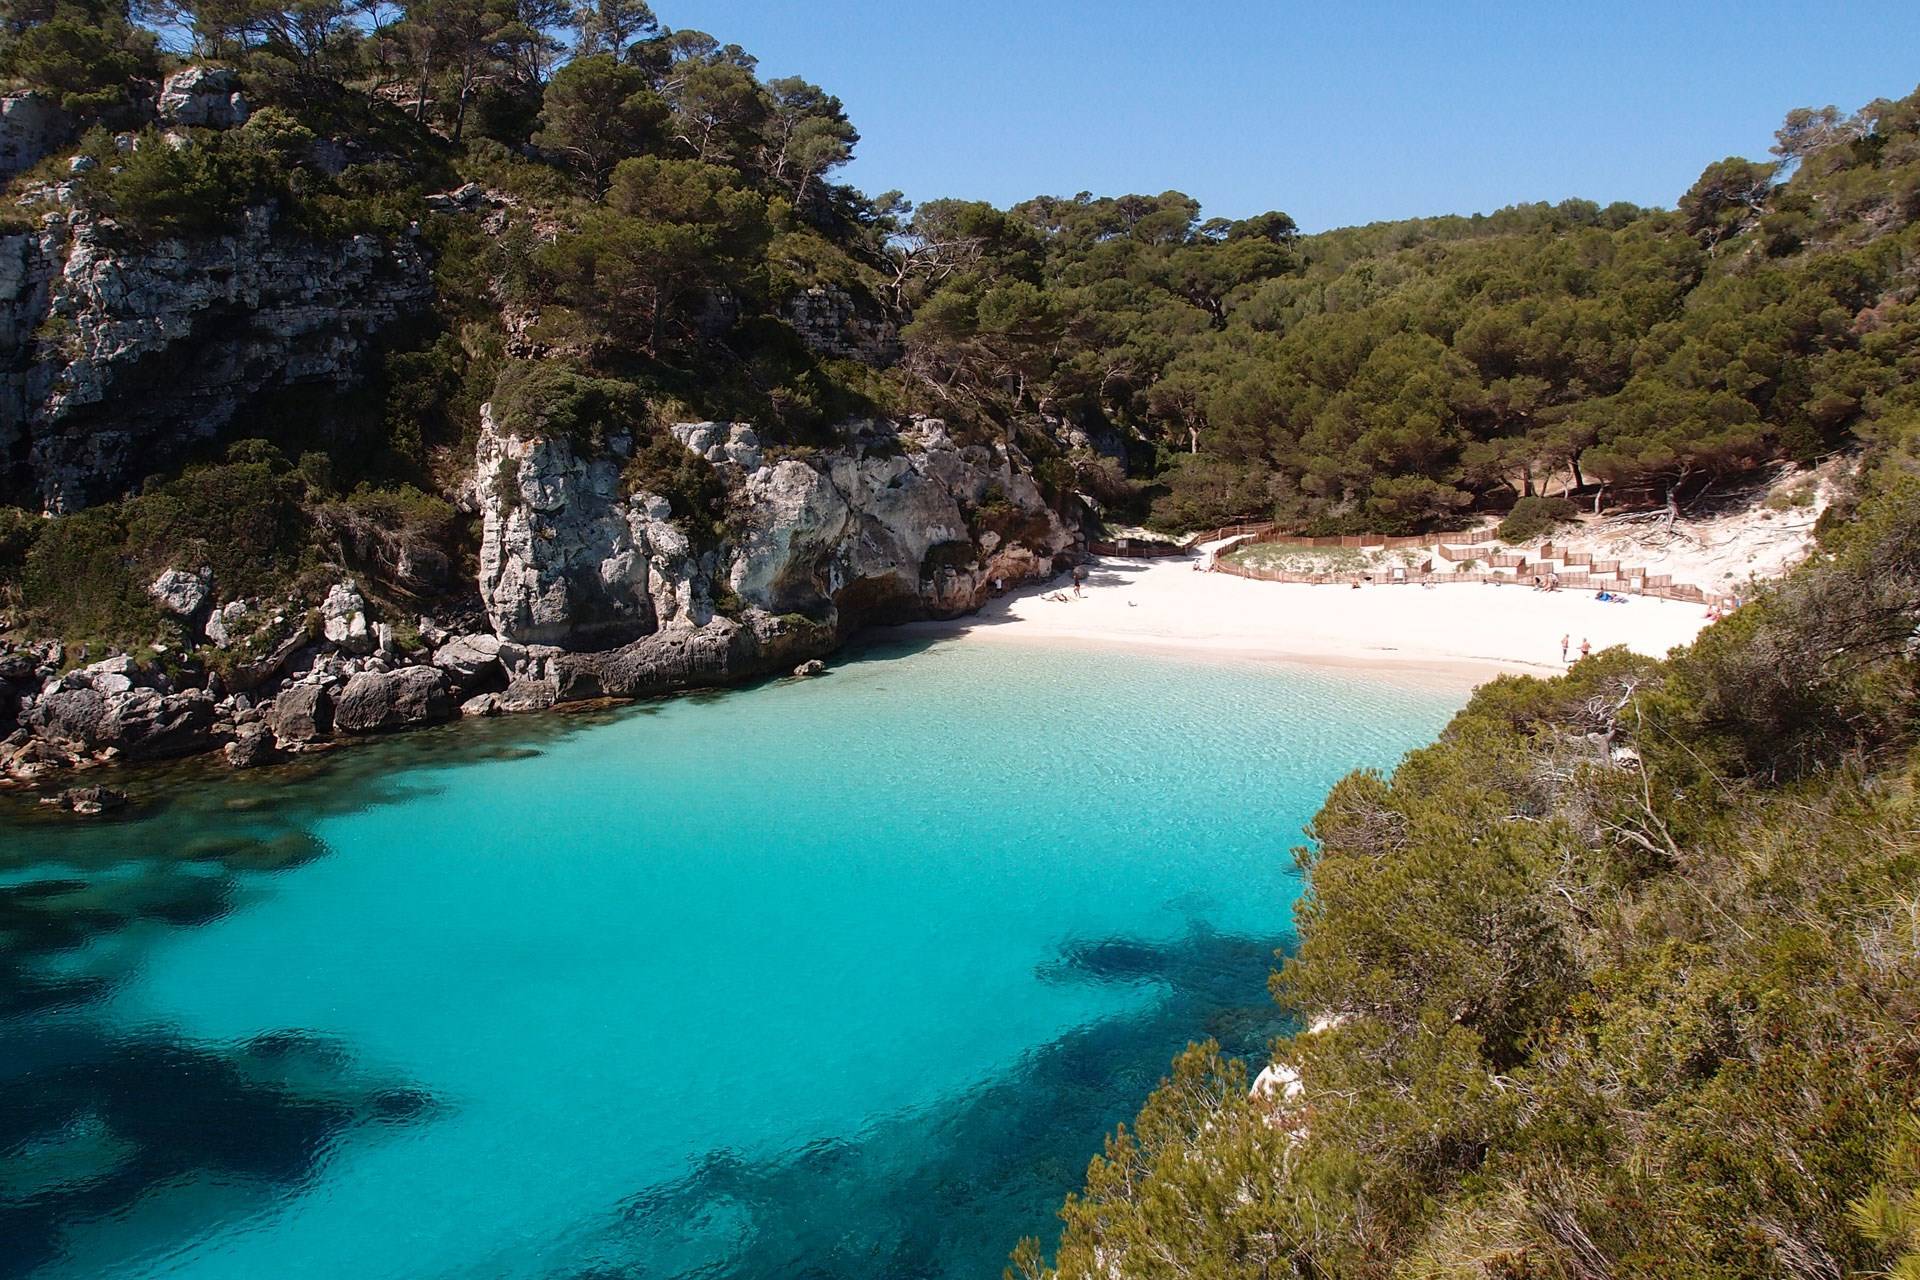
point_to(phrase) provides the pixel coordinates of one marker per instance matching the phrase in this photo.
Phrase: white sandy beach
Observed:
(1475, 630)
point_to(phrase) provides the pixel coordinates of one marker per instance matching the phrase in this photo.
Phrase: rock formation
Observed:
(116, 359)
(897, 523)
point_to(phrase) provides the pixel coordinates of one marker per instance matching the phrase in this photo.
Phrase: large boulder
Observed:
(182, 594)
(252, 746)
(375, 701)
(139, 724)
(682, 657)
(469, 659)
(529, 695)
(301, 714)
(676, 658)
(519, 696)
(147, 725)
(343, 619)
(69, 717)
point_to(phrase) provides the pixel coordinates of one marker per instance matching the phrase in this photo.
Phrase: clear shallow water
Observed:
(842, 978)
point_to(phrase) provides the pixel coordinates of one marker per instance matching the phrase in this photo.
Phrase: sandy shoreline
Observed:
(1467, 632)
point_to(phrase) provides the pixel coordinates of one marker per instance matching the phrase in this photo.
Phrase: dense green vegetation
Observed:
(1624, 976)
(1533, 516)
(1392, 376)
(665, 202)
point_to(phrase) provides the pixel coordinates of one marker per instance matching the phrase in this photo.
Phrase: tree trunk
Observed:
(460, 108)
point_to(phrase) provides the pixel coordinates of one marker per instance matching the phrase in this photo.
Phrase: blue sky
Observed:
(1336, 113)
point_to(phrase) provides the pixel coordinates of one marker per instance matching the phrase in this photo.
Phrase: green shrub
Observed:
(86, 66)
(85, 576)
(1533, 517)
(159, 190)
(77, 580)
(242, 519)
(1800, 495)
(18, 530)
(690, 484)
(548, 398)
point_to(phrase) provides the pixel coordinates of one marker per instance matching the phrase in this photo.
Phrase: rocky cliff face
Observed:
(114, 359)
(592, 589)
(568, 555)
(896, 523)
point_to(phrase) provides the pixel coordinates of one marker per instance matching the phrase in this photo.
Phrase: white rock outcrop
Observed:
(898, 531)
(896, 523)
(343, 619)
(567, 553)
(180, 593)
(208, 97)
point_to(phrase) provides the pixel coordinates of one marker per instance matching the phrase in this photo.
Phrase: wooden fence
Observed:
(1136, 548)
(1242, 529)
(1660, 587)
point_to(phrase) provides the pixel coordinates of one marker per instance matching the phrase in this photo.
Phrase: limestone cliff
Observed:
(115, 358)
(894, 523)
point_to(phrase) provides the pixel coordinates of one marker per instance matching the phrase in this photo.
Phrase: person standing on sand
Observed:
(1585, 648)
(1079, 576)
(1564, 642)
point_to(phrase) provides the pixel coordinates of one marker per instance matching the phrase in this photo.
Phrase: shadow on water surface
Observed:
(94, 1123)
(946, 1190)
(99, 1120)
(96, 1118)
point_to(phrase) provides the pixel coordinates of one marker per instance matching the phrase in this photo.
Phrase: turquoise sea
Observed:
(836, 978)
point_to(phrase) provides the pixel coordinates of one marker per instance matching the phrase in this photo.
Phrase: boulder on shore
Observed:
(374, 701)
(252, 746)
(469, 659)
(301, 714)
(139, 724)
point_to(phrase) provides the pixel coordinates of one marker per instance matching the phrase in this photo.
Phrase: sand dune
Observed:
(1475, 630)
